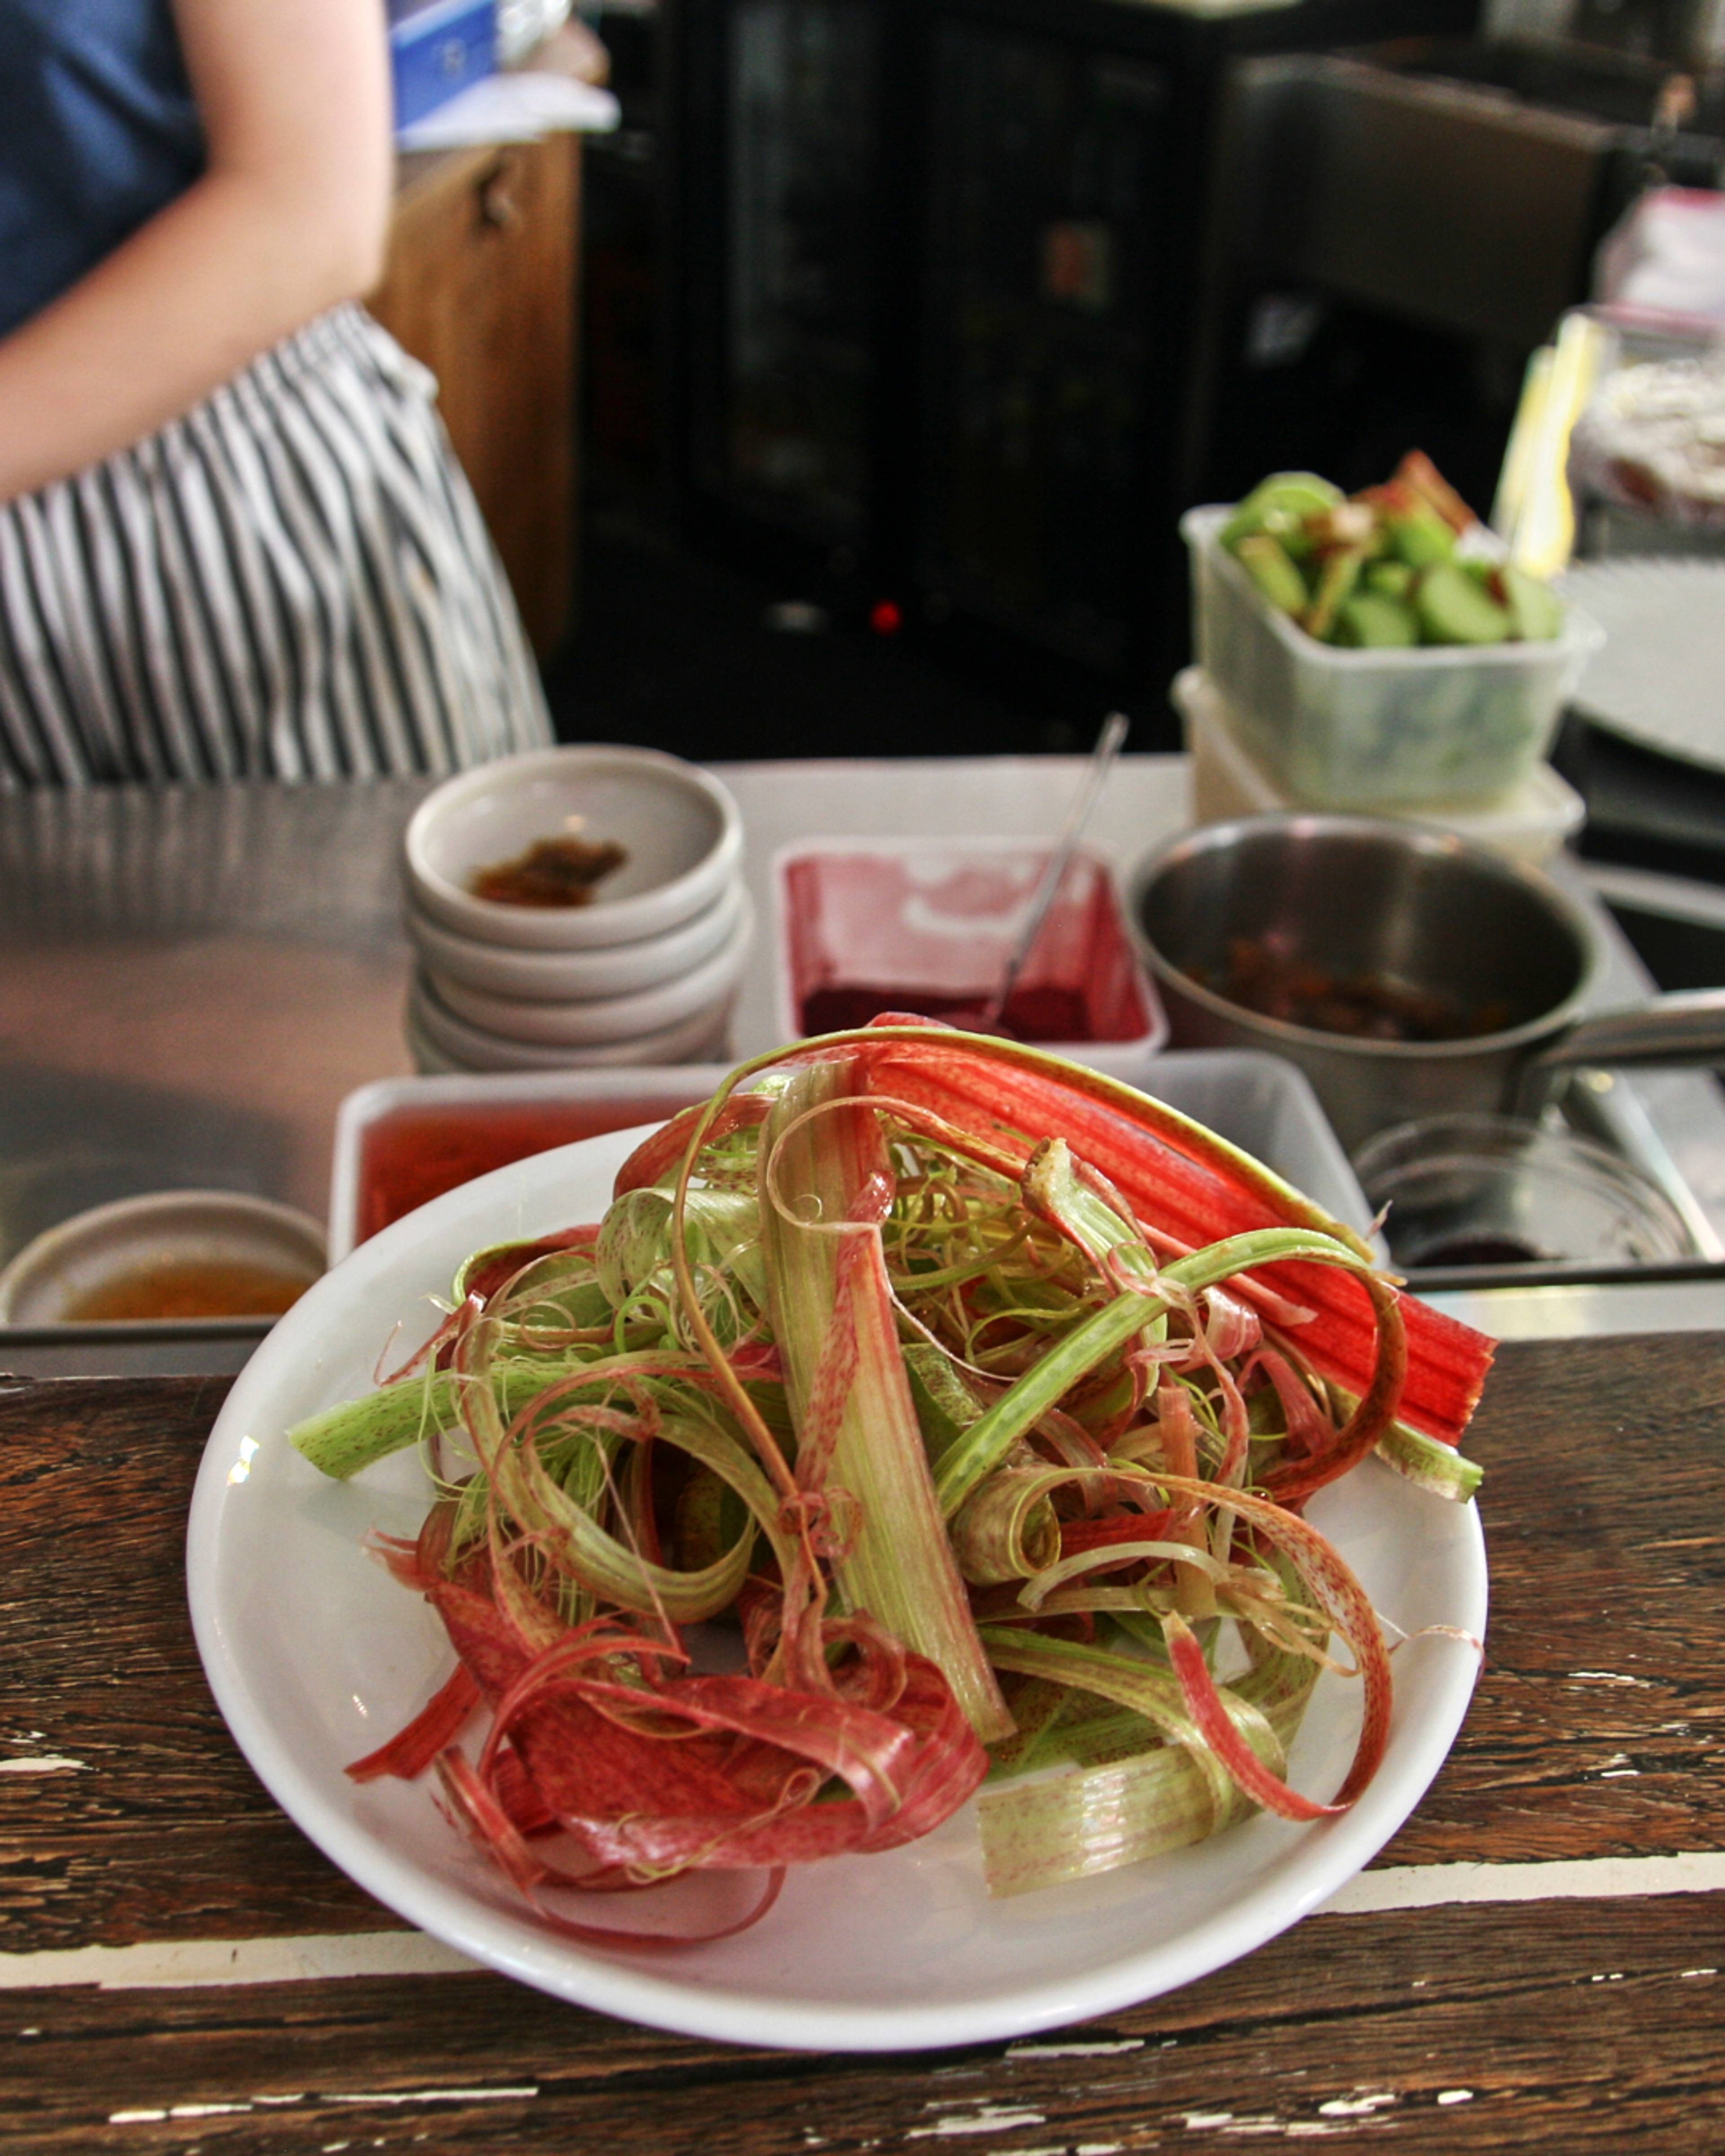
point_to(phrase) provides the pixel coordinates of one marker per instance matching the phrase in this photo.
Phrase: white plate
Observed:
(315, 1657)
(1659, 678)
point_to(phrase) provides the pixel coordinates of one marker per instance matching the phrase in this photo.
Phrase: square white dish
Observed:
(1263, 1105)
(863, 917)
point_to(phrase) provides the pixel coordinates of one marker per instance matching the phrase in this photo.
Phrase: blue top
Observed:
(98, 131)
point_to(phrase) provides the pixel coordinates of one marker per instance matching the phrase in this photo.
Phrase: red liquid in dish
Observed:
(1037, 1014)
(415, 1154)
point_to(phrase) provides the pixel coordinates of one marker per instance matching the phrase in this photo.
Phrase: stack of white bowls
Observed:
(646, 972)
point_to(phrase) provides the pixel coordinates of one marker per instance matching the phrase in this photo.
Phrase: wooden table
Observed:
(1536, 1961)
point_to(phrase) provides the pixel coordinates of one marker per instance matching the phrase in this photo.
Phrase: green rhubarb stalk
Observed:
(985, 1445)
(946, 1405)
(351, 1435)
(565, 1532)
(1429, 1464)
(1008, 1529)
(1082, 1820)
(343, 1439)
(823, 1180)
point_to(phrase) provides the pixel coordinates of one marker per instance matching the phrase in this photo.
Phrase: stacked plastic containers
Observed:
(1450, 734)
(644, 971)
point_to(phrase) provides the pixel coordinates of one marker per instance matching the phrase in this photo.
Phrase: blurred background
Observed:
(903, 331)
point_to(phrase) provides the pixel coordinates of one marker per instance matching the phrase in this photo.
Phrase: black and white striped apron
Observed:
(292, 582)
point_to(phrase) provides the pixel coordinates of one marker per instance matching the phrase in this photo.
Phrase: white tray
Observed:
(1257, 1102)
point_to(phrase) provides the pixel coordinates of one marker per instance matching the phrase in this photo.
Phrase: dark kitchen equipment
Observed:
(1401, 225)
(944, 325)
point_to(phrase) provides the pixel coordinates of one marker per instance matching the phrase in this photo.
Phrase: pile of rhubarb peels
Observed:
(926, 1414)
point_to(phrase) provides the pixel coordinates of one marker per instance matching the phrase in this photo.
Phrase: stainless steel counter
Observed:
(191, 980)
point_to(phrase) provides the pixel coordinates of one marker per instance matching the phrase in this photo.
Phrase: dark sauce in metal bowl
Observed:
(1279, 984)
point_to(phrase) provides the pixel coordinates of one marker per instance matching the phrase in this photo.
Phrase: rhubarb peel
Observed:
(925, 1409)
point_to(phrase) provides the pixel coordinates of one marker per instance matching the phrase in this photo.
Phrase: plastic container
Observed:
(401, 1142)
(1530, 822)
(928, 924)
(1374, 730)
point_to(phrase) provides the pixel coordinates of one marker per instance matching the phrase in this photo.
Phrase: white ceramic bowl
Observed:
(679, 827)
(591, 1023)
(561, 976)
(457, 1045)
(51, 1275)
(429, 1060)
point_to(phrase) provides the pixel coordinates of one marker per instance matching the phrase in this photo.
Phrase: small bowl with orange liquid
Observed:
(169, 1256)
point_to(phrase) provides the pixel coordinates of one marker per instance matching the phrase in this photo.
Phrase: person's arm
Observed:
(290, 216)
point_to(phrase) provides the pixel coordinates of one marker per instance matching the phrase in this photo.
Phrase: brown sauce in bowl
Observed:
(218, 1287)
(552, 872)
(1364, 1007)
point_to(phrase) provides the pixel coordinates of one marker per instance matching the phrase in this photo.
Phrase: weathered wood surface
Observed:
(1570, 2026)
(1564, 2026)
(1598, 1727)
(163, 1831)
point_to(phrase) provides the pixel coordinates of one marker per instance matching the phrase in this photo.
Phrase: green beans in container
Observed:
(1378, 719)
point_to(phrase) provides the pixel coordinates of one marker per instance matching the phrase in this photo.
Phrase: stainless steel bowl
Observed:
(1417, 917)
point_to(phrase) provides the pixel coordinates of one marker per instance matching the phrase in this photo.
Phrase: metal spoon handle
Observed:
(1053, 874)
